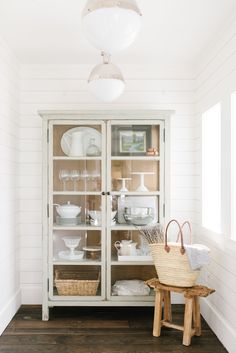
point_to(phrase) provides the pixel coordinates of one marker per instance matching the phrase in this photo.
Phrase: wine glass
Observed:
(94, 177)
(85, 175)
(64, 176)
(74, 175)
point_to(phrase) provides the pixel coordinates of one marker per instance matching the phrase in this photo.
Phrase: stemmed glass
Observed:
(64, 176)
(74, 175)
(94, 177)
(84, 175)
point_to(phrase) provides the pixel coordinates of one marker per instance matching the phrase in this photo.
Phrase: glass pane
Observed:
(77, 175)
(136, 210)
(135, 140)
(141, 273)
(76, 245)
(76, 141)
(73, 210)
(77, 280)
(133, 175)
(128, 245)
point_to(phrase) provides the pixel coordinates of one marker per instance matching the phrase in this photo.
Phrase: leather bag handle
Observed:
(166, 247)
(190, 231)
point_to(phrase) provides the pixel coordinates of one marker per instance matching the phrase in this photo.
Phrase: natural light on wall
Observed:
(233, 166)
(211, 169)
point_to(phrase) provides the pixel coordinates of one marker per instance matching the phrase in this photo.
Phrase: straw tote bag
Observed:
(171, 261)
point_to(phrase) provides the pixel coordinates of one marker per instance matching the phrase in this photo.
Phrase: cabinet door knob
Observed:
(108, 193)
(103, 193)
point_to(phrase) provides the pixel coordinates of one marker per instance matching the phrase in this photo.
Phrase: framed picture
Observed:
(130, 140)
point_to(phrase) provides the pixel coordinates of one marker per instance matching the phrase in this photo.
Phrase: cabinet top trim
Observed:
(105, 114)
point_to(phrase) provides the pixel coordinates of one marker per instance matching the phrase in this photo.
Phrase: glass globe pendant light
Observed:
(111, 25)
(106, 81)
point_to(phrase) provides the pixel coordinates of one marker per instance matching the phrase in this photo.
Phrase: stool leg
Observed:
(157, 314)
(167, 306)
(197, 316)
(188, 314)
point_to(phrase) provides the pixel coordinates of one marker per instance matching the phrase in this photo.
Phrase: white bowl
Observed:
(97, 215)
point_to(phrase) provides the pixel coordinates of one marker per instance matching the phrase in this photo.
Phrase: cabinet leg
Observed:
(45, 313)
(157, 314)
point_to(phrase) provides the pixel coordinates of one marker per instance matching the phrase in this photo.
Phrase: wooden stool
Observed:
(191, 312)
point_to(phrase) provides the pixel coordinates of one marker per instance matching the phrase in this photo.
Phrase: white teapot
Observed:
(126, 247)
(68, 210)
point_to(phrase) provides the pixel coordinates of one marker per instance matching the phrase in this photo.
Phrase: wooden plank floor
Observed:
(99, 330)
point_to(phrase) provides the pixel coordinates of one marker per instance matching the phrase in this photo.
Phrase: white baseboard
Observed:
(9, 310)
(222, 328)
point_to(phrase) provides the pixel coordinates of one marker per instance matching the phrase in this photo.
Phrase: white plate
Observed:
(78, 255)
(88, 134)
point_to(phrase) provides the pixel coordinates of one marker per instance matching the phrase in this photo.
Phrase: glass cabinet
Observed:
(103, 180)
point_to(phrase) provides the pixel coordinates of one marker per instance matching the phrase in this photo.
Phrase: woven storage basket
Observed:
(171, 261)
(77, 283)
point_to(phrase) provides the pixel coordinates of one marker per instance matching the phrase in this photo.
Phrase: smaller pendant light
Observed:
(106, 81)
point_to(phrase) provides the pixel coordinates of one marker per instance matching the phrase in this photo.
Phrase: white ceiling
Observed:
(49, 31)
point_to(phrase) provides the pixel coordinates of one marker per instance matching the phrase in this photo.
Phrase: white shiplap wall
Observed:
(215, 83)
(9, 117)
(65, 88)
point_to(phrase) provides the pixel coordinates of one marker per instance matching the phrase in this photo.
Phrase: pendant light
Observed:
(111, 25)
(106, 81)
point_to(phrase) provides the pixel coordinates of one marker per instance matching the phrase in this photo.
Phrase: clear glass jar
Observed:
(92, 149)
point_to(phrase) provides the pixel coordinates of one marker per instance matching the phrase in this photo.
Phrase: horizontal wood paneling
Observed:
(77, 85)
(181, 108)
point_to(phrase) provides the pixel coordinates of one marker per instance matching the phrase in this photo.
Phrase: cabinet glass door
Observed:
(135, 181)
(76, 210)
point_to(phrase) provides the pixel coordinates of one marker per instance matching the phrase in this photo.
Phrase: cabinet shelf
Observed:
(85, 262)
(66, 158)
(124, 226)
(131, 298)
(76, 193)
(136, 193)
(135, 158)
(133, 263)
(82, 226)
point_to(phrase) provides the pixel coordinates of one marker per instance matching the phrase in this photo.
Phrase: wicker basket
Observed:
(77, 283)
(171, 261)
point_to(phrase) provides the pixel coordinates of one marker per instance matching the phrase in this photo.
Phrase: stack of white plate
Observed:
(66, 255)
(68, 221)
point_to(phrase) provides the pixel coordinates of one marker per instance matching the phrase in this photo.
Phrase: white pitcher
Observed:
(76, 147)
(126, 247)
